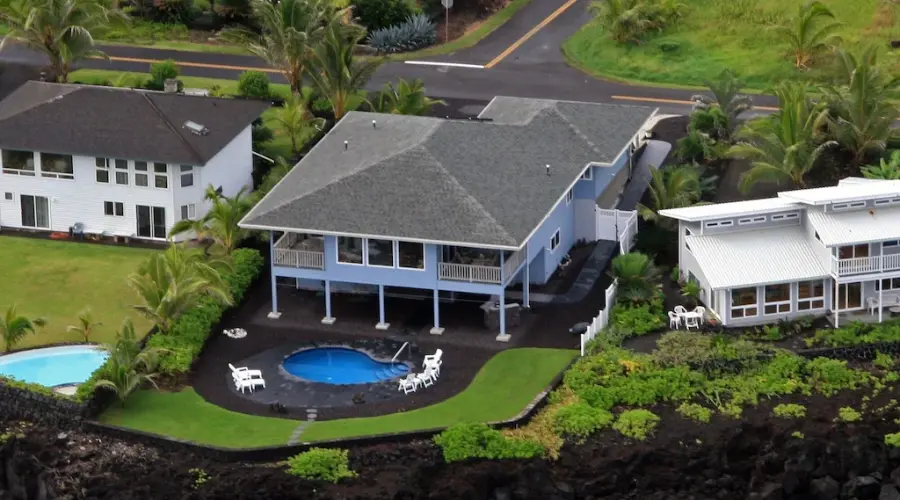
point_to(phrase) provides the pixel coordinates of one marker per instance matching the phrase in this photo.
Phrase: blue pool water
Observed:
(53, 366)
(336, 365)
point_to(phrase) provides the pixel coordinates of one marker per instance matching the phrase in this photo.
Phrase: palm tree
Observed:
(726, 96)
(129, 367)
(14, 327)
(783, 147)
(407, 98)
(889, 170)
(288, 33)
(674, 187)
(337, 75)
(635, 272)
(174, 281)
(809, 32)
(220, 224)
(296, 119)
(60, 29)
(86, 324)
(861, 110)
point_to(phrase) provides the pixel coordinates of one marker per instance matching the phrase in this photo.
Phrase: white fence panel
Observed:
(602, 319)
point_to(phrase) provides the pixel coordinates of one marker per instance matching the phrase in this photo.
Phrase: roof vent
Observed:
(346, 145)
(170, 85)
(196, 128)
(548, 169)
(374, 125)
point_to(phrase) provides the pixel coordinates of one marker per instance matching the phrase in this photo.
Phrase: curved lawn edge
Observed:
(503, 387)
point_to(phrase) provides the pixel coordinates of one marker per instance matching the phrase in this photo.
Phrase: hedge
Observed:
(183, 344)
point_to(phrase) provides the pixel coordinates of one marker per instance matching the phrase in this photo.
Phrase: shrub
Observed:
(789, 410)
(321, 464)
(637, 320)
(581, 420)
(830, 375)
(696, 412)
(160, 72)
(416, 32)
(857, 333)
(465, 441)
(697, 147)
(254, 84)
(847, 414)
(636, 424)
(883, 361)
(190, 332)
(892, 440)
(380, 14)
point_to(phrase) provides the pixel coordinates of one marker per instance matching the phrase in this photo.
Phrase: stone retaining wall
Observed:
(863, 352)
(22, 404)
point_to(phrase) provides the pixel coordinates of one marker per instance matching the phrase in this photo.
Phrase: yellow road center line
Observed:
(518, 43)
(193, 64)
(674, 101)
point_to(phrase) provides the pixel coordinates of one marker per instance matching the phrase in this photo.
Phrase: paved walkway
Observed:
(654, 154)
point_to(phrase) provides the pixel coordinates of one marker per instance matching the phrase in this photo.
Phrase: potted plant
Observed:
(691, 291)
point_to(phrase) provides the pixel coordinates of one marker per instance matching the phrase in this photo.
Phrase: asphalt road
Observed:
(522, 58)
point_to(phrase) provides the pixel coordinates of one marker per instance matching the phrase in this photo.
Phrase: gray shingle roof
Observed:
(468, 182)
(120, 123)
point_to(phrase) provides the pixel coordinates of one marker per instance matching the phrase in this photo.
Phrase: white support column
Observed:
(437, 330)
(526, 285)
(503, 337)
(836, 303)
(381, 324)
(328, 319)
(274, 314)
(880, 303)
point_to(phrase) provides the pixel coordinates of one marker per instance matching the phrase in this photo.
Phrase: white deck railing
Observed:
(286, 256)
(469, 272)
(865, 265)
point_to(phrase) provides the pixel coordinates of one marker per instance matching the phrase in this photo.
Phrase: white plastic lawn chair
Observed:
(248, 383)
(872, 302)
(435, 367)
(432, 358)
(701, 311)
(408, 384)
(674, 321)
(680, 310)
(427, 377)
(244, 373)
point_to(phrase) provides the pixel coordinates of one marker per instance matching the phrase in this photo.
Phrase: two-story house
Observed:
(447, 205)
(810, 252)
(120, 162)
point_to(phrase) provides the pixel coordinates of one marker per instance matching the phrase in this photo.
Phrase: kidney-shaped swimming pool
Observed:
(53, 366)
(341, 366)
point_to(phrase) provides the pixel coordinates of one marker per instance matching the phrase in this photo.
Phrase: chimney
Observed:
(548, 169)
(170, 86)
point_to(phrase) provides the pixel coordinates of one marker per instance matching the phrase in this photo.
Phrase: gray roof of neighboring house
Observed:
(121, 123)
(469, 182)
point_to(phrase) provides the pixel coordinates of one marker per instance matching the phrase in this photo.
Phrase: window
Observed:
(777, 299)
(140, 174)
(410, 255)
(35, 211)
(121, 172)
(350, 250)
(854, 251)
(187, 176)
(18, 162)
(743, 303)
(890, 284)
(102, 170)
(721, 223)
(810, 295)
(380, 252)
(8, 196)
(752, 220)
(188, 212)
(161, 175)
(57, 166)
(789, 216)
(887, 244)
(554, 240)
(114, 208)
(588, 174)
(892, 201)
(151, 222)
(569, 195)
(845, 206)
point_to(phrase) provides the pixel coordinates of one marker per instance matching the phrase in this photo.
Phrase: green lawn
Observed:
(57, 279)
(508, 382)
(714, 35)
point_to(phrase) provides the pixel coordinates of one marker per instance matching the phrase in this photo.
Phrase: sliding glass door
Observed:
(35, 211)
(151, 222)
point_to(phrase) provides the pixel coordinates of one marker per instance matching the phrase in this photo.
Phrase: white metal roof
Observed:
(848, 181)
(732, 209)
(856, 226)
(751, 258)
(843, 192)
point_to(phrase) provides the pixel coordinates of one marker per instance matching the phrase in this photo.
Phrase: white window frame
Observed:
(570, 195)
(892, 283)
(17, 171)
(58, 175)
(789, 216)
(887, 201)
(397, 256)
(189, 174)
(744, 308)
(160, 175)
(101, 168)
(588, 174)
(752, 220)
(848, 206)
(115, 205)
(779, 304)
(890, 244)
(119, 170)
(145, 174)
(382, 266)
(49, 211)
(337, 250)
(811, 300)
(554, 241)
(188, 212)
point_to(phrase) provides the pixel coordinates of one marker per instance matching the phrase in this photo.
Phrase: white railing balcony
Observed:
(865, 265)
(286, 256)
(469, 272)
(513, 262)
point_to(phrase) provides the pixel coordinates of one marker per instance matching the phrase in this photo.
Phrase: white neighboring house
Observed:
(824, 251)
(120, 162)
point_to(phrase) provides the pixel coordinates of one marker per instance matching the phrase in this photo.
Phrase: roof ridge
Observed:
(165, 119)
(43, 102)
(575, 129)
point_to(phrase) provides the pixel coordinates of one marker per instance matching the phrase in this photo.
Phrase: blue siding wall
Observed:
(562, 218)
